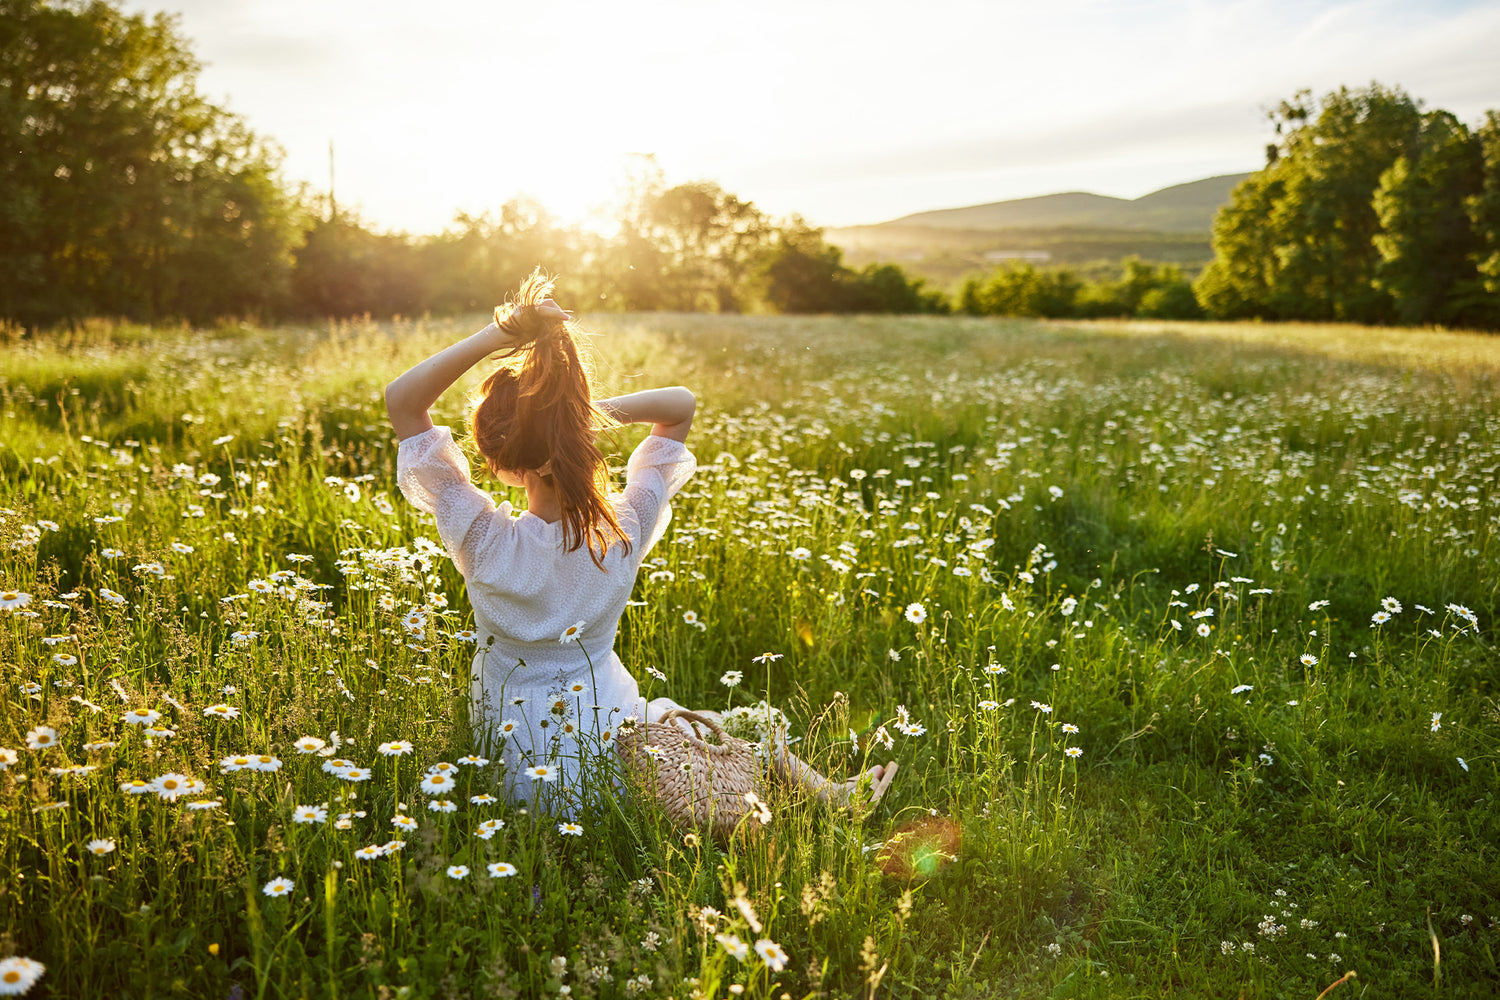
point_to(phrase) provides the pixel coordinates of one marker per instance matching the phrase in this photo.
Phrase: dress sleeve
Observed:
(434, 475)
(657, 469)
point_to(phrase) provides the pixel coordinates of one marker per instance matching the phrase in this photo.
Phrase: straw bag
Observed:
(698, 783)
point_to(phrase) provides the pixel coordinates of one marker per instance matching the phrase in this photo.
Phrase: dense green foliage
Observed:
(122, 191)
(1371, 210)
(1142, 290)
(1247, 573)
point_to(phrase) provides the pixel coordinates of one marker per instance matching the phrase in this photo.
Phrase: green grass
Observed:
(1254, 811)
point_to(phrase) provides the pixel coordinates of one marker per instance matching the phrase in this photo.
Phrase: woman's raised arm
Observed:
(412, 394)
(669, 410)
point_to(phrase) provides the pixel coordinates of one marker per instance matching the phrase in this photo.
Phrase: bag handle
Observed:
(702, 720)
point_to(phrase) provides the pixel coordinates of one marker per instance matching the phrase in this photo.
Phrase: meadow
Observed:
(1180, 634)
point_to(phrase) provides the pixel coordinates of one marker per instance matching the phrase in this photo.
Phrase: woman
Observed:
(548, 585)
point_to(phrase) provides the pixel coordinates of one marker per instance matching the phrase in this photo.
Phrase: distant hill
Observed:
(1180, 208)
(1074, 228)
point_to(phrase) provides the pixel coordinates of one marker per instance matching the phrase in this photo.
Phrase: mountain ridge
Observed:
(1186, 207)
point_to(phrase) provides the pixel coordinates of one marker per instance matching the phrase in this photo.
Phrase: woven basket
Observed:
(699, 784)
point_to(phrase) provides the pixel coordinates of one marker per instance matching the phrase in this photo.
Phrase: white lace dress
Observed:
(537, 692)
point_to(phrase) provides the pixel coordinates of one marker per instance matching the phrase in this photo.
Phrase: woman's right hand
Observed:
(548, 309)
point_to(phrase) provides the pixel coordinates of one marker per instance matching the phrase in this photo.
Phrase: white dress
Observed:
(538, 693)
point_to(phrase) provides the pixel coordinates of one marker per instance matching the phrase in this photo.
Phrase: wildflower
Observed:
(442, 806)
(656, 673)
(772, 954)
(1241, 688)
(41, 738)
(760, 810)
(12, 599)
(222, 711)
(1068, 727)
(18, 975)
(279, 887)
(310, 814)
(1437, 721)
(1266, 759)
(988, 705)
(473, 760)
(309, 744)
(1074, 752)
(414, 621)
(1041, 707)
(370, 852)
(916, 613)
(572, 632)
(234, 763)
(434, 783)
(7, 758)
(100, 847)
(1464, 613)
(171, 785)
(482, 799)
(136, 786)
(109, 595)
(204, 805)
(1308, 660)
(1462, 763)
(570, 829)
(766, 658)
(336, 766)
(64, 659)
(731, 678)
(895, 656)
(458, 871)
(541, 772)
(1318, 605)
(1379, 618)
(356, 774)
(1204, 629)
(1391, 605)
(733, 946)
(489, 828)
(801, 554)
(1068, 606)
(501, 869)
(395, 748)
(403, 822)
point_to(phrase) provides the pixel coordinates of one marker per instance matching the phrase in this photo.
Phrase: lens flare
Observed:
(920, 849)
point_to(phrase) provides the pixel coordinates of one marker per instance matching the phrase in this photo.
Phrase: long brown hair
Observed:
(537, 414)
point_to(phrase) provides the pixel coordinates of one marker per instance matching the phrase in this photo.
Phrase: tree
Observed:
(1297, 239)
(125, 192)
(1483, 209)
(1426, 245)
(801, 273)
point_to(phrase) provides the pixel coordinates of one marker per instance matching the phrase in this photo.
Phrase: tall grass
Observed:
(1179, 634)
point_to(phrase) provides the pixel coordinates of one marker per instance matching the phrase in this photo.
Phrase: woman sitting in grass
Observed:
(548, 585)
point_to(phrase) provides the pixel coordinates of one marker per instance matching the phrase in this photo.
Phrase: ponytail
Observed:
(537, 414)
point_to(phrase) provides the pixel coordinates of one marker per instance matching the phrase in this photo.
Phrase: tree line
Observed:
(1368, 210)
(124, 192)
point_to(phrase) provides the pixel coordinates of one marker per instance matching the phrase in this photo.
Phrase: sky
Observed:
(843, 112)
